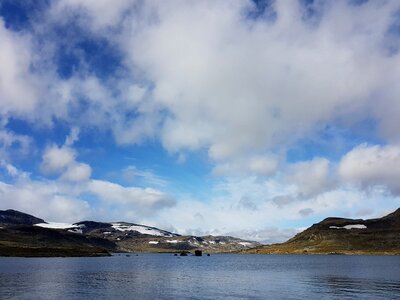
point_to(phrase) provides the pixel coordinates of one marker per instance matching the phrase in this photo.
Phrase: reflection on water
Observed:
(164, 276)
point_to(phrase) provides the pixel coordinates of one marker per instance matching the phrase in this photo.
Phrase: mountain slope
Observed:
(25, 235)
(14, 217)
(343, 236)
(24, 240)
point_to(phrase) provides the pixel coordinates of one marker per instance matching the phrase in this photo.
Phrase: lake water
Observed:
(224, 276)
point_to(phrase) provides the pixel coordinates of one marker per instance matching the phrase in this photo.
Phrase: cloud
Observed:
(62, 161)
(206, 76)
(43, 199)
(373, 165)
(99, 14)
(72, 137)
(311, 177)
(233, 85)
(146, 200)
(77, 172)
(18, 89)
(56, 159)
(12, 144)
(65, 199)
(134, 175)
(256, 165)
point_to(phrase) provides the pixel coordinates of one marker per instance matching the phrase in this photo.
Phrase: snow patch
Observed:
(76, 230)
(139, 228)
(153, 242)
(355, 226)
(244, 244)
(172, 241)
(54, 225)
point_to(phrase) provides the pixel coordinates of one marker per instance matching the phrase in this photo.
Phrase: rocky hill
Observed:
(13, 217)
(343, 236)
(25, 235)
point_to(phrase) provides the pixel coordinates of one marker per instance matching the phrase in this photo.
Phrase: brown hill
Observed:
(25, 240)
(343, 236)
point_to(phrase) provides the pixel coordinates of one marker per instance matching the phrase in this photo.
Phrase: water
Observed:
(228, 276)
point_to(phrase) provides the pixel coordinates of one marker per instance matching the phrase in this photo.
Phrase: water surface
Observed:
(224, 276)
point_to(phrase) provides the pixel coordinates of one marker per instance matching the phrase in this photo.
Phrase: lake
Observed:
(223, 276)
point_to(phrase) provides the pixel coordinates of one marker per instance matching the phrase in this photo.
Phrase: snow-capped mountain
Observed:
(130, 237)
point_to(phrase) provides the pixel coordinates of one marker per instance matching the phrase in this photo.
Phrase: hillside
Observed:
(25, 235)
(343, 236)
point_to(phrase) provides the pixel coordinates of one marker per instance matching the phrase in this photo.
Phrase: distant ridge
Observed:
(343, 236)
(22, 234)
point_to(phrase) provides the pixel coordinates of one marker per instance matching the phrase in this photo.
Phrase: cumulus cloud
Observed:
(311, 177)
(62, 161)
(371, 165)
(205, 75)
(231, 84)
(77, 172)
(43, 199)
(65, 199)
(144, 198)
(18, 90)
(56, 159)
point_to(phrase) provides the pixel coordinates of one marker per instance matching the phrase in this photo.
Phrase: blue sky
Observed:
(249, 118)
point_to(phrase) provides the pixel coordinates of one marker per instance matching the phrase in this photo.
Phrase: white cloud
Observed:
(143, 199)
(18, 89)
(72, 137)
(255, 165)
(11, 170)
(133, 174)
(311, 177)
(77, 172)
(43, 199)
(56, 159)
(233, 85)
(101, 13)
(12, 144)
(370, 165)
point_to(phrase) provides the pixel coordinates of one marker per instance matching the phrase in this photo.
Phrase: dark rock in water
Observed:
(208, 254)
(14, 217)
(198, 253)
(183, 254)
(176, 254)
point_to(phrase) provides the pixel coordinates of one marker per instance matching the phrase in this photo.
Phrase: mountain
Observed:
(25, 235)
(14, 217)
(131, 237)
(343, 236)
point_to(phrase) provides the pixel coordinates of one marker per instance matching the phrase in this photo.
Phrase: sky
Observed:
(249, 118)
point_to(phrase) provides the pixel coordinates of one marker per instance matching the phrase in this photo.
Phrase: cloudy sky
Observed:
(249, 118)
